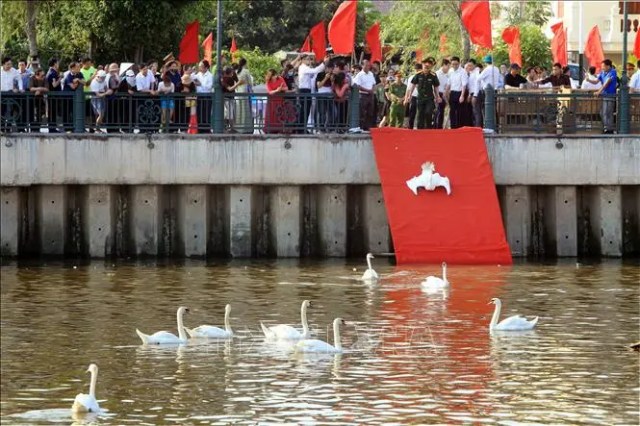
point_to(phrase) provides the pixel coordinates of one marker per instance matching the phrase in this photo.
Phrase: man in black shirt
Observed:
(513, 80)
(557, 79)
(53, 85)
(427, 84)
(72, 82)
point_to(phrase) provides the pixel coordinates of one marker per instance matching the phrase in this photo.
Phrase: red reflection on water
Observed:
(452, 330)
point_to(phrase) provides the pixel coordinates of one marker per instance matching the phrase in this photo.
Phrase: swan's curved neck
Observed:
(303, 318)
(496, 314)
(181, 333)
(94, 380)
(444, 273)
(227, 323)
(336, 336)
(369, 262)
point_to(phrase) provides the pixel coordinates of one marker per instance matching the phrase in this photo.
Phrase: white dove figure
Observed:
(429, 180)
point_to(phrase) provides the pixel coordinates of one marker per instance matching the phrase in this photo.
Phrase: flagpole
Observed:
(580, 45)
(218, 98)
(624, 82)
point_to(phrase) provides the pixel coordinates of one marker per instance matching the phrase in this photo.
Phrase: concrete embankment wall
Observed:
(167, 195)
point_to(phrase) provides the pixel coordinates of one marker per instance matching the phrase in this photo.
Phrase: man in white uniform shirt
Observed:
(366, 81)
(443, 78)
(10, 77)
(306, 82)
(455, 92)
(490, 76)
(204, 84)
(634, 83)
(11, 82)
(473, 85)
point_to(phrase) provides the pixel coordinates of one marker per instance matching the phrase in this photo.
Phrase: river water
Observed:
(409, 357)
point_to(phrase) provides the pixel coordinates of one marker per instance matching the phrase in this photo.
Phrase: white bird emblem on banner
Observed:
(429, 180)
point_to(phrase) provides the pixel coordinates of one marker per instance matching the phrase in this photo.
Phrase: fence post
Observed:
(78, 110)
(490, 108)
(354, 105)
(624, 112)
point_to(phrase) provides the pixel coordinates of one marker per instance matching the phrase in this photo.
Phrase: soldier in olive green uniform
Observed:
(427, 83)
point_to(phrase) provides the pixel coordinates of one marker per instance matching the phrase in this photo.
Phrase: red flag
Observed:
(464, 227)
(511, 36)
(373, 41)
(443, 43)
(207, 45)
(476, 17)
(306, 47)
(636, 46)
(342, 28)
(559, 44)
(418, 55)
(189, 47)
(318, 36)
(593, 48)
(234, 47)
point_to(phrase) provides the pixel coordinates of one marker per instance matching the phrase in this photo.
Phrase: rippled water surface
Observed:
(410, 357)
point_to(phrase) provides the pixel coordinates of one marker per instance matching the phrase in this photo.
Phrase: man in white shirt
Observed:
(455, 92)
(473, 85)
(365, 82)
(489, 76)
(10, 81)
(634, 83)
(413, 104)
(10, 77)
(143, 82)
(204, 84)
(443, 78)
(306, 82)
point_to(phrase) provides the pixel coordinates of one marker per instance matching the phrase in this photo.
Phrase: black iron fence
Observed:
(534, 111)
(559, 112)
(177, 112)
(551, 112)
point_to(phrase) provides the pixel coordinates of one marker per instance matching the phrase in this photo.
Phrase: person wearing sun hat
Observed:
(99, 90)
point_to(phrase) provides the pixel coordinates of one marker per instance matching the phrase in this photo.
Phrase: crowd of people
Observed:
(303, 96)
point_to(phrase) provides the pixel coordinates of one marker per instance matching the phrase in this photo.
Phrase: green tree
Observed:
(411, 25)
(535, 46)
(529, 12)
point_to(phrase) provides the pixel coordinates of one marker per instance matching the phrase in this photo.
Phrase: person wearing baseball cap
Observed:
(514, 80)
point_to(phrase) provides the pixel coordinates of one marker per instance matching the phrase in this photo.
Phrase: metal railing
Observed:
(533, 111)
(556, 112)
(177, 112)
(634, 113)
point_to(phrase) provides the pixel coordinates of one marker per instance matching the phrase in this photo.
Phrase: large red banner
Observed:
(430, 226)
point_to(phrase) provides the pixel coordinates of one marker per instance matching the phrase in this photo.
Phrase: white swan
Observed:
(513, 323)
(369, 274)
(436, 284)
(164, 337)
(87, 403)
(286, 332)
(318, 346)
(211, 332)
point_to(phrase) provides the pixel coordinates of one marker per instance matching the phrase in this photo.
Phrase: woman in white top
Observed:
(590, 81)
(244, 117)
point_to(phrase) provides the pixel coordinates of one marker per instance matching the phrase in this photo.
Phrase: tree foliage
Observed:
(258, 63)
(535, 46)
(413, 26)
(136, 30)
(529, 12)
